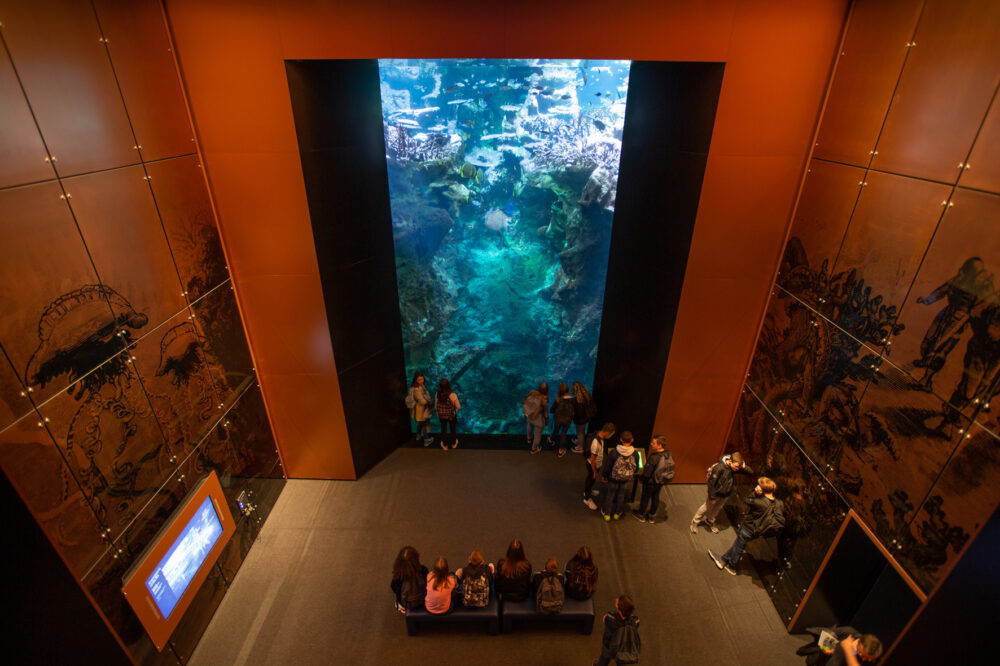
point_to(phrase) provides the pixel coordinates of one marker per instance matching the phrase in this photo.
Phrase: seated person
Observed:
(409, 580)
(581, 575)
(440, 584)
(513, 580)
(476, 579)
(852, 647)
(548, 585)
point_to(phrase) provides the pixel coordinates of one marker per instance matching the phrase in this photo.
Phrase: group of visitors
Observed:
(445, 405)
(572, 406)
(439, 590)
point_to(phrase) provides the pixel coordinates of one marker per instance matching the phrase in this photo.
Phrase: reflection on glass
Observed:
(502, 182)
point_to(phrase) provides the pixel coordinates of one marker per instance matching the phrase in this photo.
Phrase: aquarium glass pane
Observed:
(502, 183)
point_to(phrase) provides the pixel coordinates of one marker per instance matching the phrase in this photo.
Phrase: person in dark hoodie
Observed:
(476, 579)
(765, 515)
(622, 617)
(619, 468)
(513, 579)
(720, 487)
(562, 416)
(658, 470)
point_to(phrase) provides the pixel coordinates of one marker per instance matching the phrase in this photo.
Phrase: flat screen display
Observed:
(178, 567)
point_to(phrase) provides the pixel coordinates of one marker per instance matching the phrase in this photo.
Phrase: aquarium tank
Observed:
(502, 181)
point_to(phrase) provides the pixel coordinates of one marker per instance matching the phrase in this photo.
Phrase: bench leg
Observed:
(494, 626)
(508, 625)
(411, 626)
(587, 626)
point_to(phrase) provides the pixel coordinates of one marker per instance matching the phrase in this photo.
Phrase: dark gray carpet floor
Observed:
(315, 586)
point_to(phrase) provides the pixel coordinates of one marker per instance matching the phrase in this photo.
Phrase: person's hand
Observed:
(758, 490)
(850, 644)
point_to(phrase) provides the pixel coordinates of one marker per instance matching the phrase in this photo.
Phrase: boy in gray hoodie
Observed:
(619, 468)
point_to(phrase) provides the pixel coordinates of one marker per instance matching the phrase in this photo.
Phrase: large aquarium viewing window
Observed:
(502, 183)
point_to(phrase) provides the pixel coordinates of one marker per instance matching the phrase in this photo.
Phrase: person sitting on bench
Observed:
(548, 584)
(581, 575)
(513, 580)
(440, 584)
(409, 580)
(476, 579)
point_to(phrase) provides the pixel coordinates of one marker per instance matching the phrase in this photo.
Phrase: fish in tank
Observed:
(502, 183)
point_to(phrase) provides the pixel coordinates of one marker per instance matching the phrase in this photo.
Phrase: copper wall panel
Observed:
(217, 319)
(36, 468)
(22, 154)
(42, 37)
(943, 94)
(182, 200)
(14, 401)
(144, 65)
(948, 341)
(959, 504)
(118, 220)
(982, 171)
(870, 62)
(821, 218)
(180, 380)
(56, 324)
(112, 443)
(892, 225)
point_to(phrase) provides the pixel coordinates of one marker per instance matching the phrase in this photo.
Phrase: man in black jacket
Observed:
(765, 515)
(720, 487)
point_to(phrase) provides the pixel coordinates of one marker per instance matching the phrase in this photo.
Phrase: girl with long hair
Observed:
(421, 410)
(581, 575)
(409, 579)
(447, 405)
(513, 579)
(440, 584)
(584, 411)
(563, 412)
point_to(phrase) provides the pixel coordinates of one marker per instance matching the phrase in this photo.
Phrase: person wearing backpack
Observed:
(593, 457)
(621, 634)
(418, 401)
(536, 414)
(581, 575)
(447, 405)
(548, 584)
(409, 580)
(619, 468)
(765, 516)
(584, 411)
(658, 471)
(476, 579)
(562, 416)
(720, 487)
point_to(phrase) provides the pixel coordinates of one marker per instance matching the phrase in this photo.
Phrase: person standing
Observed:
(593, 457)
(563, 412)
(585, 410)
(658, 471)
(621, 634)
(536, 414)
(421, 410)
(447, 405)
(765, 516)
(619, 468)
(720, 487)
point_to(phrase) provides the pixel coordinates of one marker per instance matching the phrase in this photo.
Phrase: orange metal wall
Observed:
(778, 55)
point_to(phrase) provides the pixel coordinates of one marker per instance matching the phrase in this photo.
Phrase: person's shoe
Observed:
(650, 519)
(444, 446)
(577, 449)
(534, 451)
(715, 558)
(715, 530)
(638, 516)
(428, 440)
(401, 609)
(607, 518)
(616, 516)
(590, 504)
(562, 452)
(729, 570)
(552, 443)
(694, 528)
(455, 444)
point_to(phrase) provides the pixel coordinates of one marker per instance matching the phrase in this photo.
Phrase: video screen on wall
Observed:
(502, 184)
(178, 567)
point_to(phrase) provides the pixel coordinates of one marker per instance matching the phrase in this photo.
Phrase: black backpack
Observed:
(773, 521)
(475, 591)
(664, 470)
(629, 644)
(413, 594)
(564, 411)
(549, 597)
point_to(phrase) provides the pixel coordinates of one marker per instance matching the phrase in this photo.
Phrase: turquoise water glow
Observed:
(502, 182)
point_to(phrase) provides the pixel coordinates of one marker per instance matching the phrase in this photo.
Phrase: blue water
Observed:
(502, 180)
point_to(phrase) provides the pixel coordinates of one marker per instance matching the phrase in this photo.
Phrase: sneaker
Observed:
(650, 519)
(534, 451)
(607, 518)
(428, 440)
(401, 609)
(595, 492)
(616, 516)
(444, 446)
(577, 449)
(639, 517)
(715, 530)
(694, 528)
(715, 558)
(729, 570)
(562, 452)
(455, 444)
(590, 504)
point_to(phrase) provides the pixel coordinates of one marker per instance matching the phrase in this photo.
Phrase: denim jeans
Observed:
(614, 501)
(564, 430)
(732, 555)
(534, 435)
(650, 496)
(446, 425)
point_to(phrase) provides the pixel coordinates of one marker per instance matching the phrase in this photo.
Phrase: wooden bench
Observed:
(581, 612)
(458, 613)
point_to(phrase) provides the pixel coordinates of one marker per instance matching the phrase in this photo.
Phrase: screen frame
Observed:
(134, 587)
